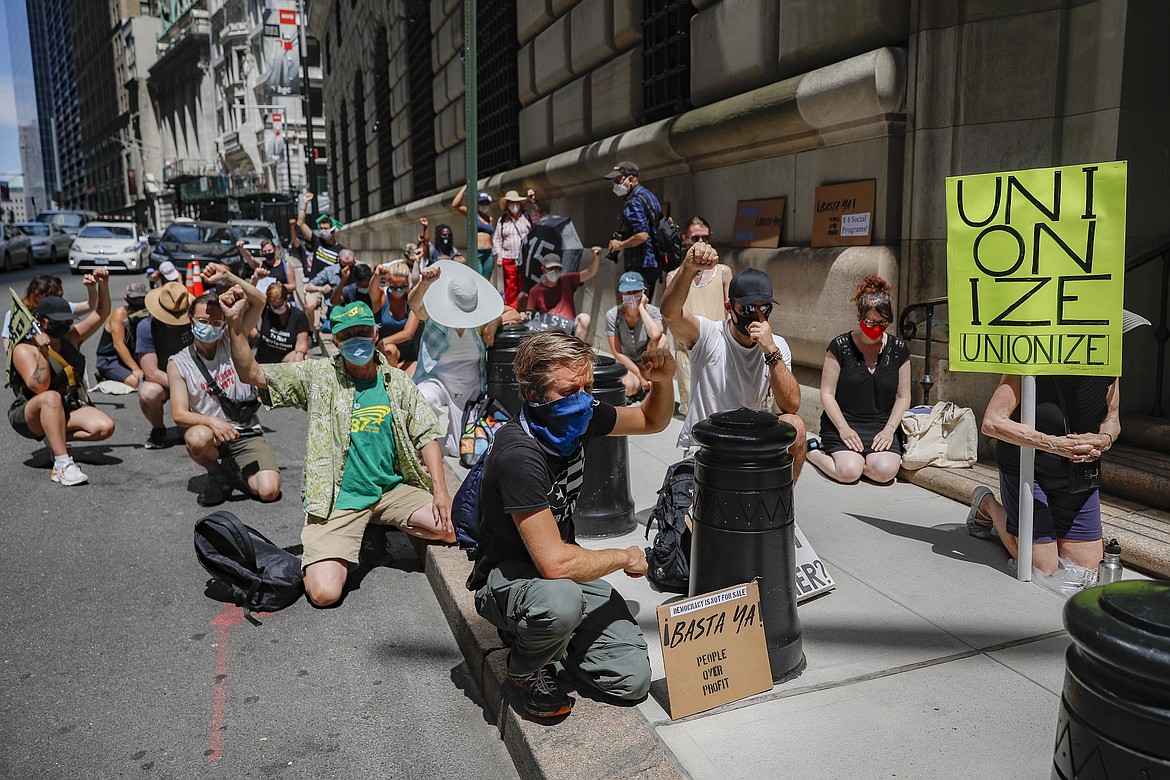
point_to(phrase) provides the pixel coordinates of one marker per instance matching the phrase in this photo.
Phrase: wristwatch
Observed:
(772, 357)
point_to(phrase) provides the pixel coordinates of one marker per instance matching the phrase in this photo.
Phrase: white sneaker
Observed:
(69, 476)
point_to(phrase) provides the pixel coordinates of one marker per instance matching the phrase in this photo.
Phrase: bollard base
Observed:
(1084, 753)
(787, 662)
(604, 527)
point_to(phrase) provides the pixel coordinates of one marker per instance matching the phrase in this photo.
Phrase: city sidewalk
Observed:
(928, 660)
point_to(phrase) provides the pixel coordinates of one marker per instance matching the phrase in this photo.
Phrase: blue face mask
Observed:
(358, 351)
(559, 424)
(207, 334)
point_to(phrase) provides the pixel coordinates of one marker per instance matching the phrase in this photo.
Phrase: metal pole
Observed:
(307, 109)
(1027, 479)
(470, 115)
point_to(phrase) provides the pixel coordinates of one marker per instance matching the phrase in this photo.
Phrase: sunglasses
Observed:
(750, 309)
(876, 324)
(702, 239)
(396, 287)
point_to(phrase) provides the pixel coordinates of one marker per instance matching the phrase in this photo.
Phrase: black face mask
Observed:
(135, 304)
(270, 256)
(57, 330)
(444, 240)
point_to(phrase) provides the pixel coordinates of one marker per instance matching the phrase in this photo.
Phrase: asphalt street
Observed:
(115, 663)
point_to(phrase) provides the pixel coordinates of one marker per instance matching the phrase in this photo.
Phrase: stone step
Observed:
(1137, 474)
(1143, 531)
(1141, 430)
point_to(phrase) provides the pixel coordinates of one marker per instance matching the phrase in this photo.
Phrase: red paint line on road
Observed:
(228, 617)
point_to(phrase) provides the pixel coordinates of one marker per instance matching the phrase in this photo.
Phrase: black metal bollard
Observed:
(605, 506)
(1115, 710)
(743, 522)
(501, 373)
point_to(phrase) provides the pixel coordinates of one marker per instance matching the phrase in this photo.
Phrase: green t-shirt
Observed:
(369, 466)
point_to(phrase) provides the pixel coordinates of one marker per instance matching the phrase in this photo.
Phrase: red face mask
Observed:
(873, 332)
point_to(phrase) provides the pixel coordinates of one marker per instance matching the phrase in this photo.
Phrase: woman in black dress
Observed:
(865, 390)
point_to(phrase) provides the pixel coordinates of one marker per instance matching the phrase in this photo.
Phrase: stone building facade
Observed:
(727, 100)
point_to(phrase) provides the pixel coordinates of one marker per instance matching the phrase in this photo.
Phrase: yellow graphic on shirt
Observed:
(368, 420)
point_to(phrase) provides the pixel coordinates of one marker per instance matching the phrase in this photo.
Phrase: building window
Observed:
(382, 119)
(359, 144)
(422, 109)
(666, 58)
(497, 83)
(334, 161)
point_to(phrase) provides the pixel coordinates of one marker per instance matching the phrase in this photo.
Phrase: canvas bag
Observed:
(944, 436)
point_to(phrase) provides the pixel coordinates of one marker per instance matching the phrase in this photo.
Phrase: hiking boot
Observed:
(213, 493)
(541, 696)
(157, 439)
(977, 526)
(69, 476)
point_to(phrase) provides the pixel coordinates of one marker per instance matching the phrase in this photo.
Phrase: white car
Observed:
(50, 243)
(109, 245)
(15, 247)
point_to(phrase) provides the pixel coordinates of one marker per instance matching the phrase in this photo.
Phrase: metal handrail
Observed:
(909, 329)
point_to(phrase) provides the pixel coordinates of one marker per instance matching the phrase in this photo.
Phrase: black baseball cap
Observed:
(55, 308)
(624, 168)
(751, 285)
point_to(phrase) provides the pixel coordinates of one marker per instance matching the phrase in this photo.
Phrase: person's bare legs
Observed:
(844, 466)
(799, 448)
(151, 397)
(1080, 552)
(1045, 556)
(44, 414)
(581, 326)
(89, 424)
(882, 467)
(423, 525)
(265, 485)
(325, 581)
(202, 447)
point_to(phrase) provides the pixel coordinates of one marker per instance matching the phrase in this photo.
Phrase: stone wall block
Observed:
(570, 114)
(536, 130)
(456, 82)
(1094, 75)
(733, 49)
(815, 33)
(403, 189)
(627, 24)
(1004, 146)
(438, 15)
(399, 97)
(439, 90)
(552, 61)
(399, 129)
(616, 94)
(402, 159)
(442, 169)
(934, 98)
(591, 23)
(525, 75)
(978, 10)
(561, 7)
(1006, 70)
(532, 18)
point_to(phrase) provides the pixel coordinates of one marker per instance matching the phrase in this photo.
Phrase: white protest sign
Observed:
(812, 577)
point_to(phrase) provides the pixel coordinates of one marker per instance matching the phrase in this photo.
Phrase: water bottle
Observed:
(1109, 570)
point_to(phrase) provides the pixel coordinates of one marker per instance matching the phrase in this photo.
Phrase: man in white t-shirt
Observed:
(219, 429)
(735, 362)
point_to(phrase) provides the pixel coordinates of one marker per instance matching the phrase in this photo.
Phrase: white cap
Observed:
(168, 271)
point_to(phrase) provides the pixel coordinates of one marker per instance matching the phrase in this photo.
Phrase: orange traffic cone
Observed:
(194, 279)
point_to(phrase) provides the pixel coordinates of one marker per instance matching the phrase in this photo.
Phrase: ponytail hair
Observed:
(874, 293)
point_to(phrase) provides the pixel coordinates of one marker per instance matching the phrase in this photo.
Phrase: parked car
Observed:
(49, 242)
(15, 247)
(108, 245)
(69, 221)
(253, 231)
(189, 240)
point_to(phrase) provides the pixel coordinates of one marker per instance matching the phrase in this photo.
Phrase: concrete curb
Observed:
(597, 740)
(1142, 531)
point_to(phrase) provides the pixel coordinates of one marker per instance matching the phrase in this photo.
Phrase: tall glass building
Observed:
(28, 53)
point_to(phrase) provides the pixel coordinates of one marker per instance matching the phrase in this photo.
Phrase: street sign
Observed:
(272, 31)
(713, 649)
(288, 17)
(1036, 270)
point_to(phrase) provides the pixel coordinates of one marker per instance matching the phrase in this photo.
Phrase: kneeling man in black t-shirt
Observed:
(532, 581)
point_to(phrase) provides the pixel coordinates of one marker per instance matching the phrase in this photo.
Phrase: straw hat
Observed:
(170, 304)
(511, 196)
(461, 297)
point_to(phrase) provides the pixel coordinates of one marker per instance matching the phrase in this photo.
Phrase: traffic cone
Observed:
(194, 279)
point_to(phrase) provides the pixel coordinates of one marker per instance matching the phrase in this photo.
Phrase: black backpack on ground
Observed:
(666, 235)
(669, 560)
(246, 568)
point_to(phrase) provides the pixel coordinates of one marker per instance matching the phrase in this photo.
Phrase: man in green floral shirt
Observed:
(368, 427)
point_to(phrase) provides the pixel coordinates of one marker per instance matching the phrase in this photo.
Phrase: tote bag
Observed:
(945, 435)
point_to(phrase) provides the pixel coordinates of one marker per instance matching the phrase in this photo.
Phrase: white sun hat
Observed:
(461, 297)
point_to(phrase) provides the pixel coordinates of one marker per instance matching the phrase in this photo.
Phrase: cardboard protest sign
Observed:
(812, 578)
(757, 223)
(714, 650)
(1036, 269)
(843, 214)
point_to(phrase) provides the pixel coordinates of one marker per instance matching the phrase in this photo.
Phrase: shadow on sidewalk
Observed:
(950, 540)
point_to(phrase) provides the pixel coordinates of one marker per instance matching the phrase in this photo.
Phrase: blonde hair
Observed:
(541, 355)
